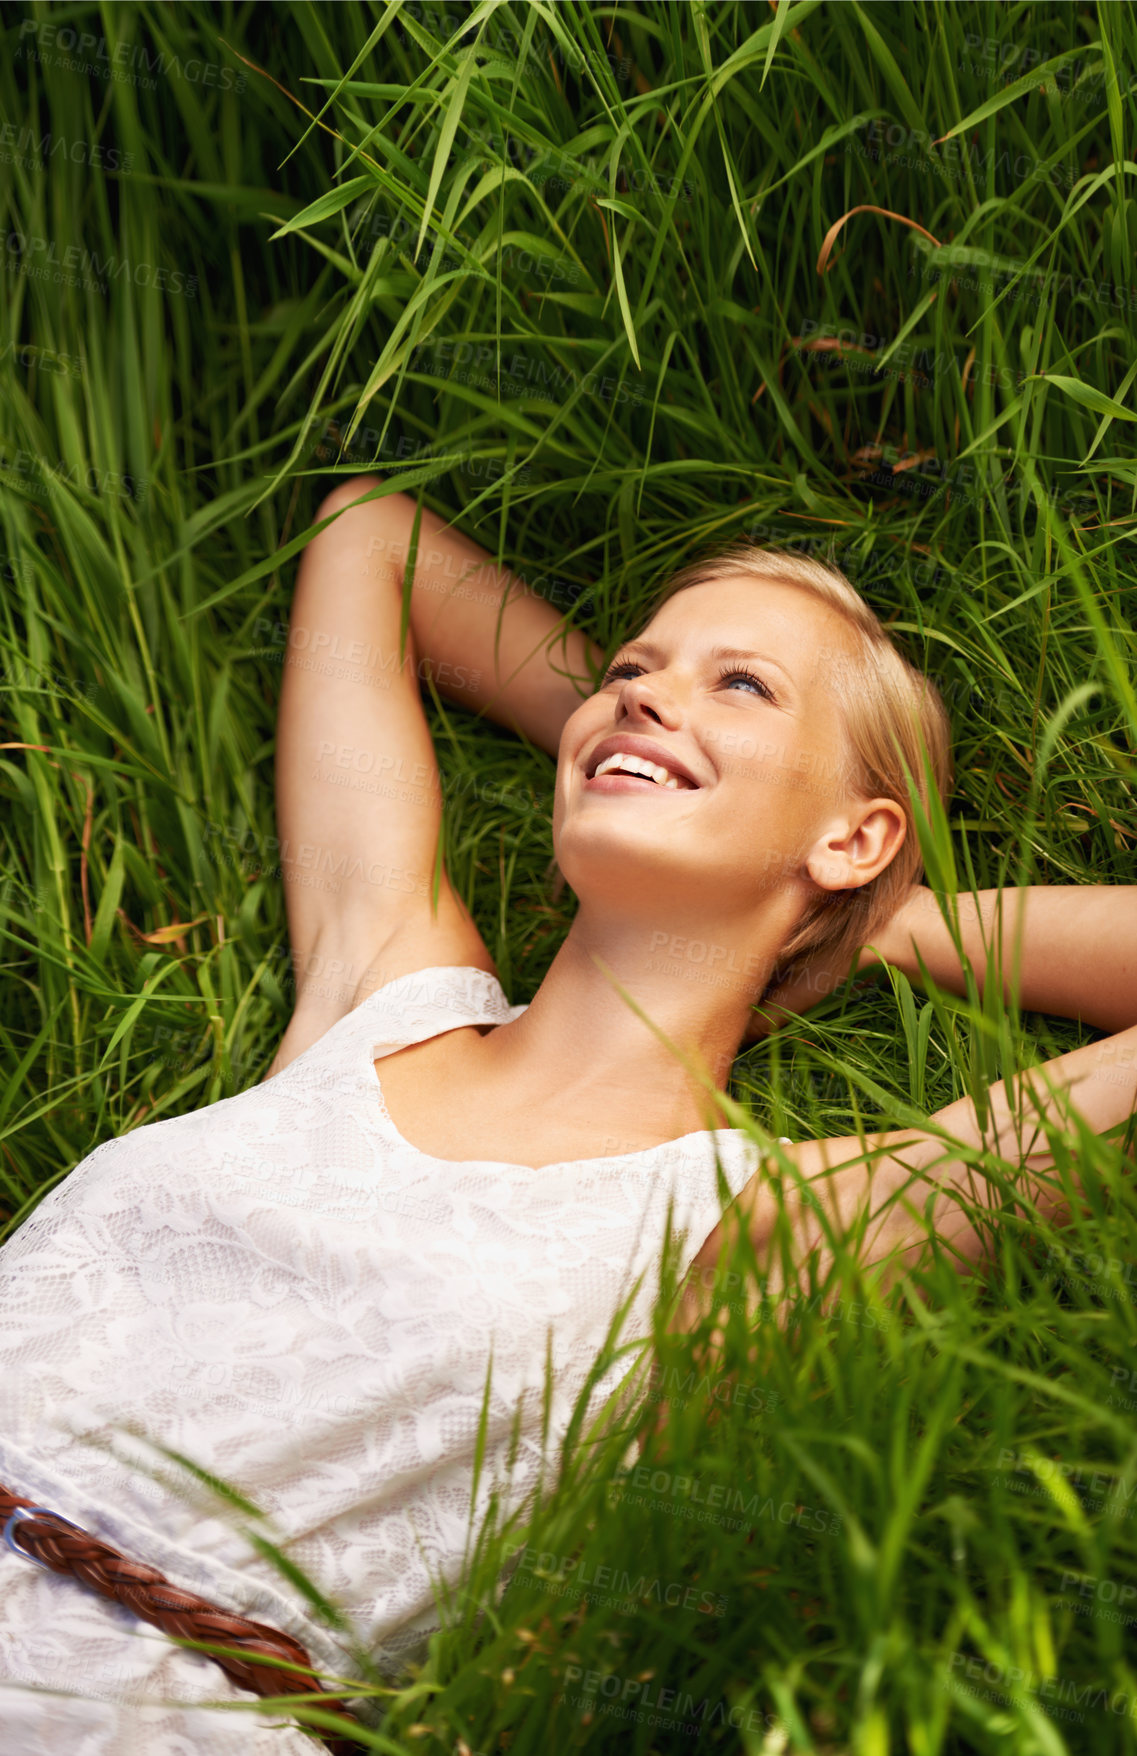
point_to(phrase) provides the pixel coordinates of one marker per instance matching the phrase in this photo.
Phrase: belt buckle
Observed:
(33, 1512)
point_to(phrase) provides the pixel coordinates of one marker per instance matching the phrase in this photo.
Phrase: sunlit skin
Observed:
(731, 863)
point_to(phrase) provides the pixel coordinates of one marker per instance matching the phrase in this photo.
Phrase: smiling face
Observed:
(722, 759)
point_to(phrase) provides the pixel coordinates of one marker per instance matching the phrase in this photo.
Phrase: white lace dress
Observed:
(284, 1290)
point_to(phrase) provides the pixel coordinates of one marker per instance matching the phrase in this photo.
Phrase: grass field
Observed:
(558, 269)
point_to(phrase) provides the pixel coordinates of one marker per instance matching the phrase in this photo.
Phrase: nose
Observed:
(649, 697)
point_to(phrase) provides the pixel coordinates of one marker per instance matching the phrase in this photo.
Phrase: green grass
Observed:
(654, 389)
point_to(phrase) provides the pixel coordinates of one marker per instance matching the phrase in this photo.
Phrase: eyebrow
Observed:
(649, 648)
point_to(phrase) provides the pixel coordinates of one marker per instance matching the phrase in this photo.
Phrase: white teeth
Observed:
(637, 765)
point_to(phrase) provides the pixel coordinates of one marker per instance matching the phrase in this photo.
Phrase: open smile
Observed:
(618, 782)
(632, 764)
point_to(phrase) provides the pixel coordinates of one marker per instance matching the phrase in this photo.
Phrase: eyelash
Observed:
(726, 675)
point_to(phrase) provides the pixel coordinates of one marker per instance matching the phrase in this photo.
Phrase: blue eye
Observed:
(733, 674)
(737, 675)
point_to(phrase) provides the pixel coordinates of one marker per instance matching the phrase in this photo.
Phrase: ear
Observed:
(857, 846)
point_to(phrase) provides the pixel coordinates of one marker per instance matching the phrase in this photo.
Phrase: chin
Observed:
(609, 868)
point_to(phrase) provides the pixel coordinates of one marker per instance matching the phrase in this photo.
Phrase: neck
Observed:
(696, 984)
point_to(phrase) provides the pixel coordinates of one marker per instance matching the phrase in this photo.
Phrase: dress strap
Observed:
(409, 1009)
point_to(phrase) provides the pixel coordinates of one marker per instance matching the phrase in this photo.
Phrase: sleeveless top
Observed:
(282, 1289)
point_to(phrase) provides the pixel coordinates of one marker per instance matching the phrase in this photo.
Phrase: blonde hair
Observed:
(892, 714)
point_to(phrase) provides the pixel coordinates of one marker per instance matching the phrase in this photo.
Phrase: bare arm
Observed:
(884, 1181)
(1076, 955)
(359, 795)
(484, 636)
(1075, 946)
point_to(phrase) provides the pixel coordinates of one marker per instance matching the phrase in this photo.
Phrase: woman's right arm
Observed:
(359, 796)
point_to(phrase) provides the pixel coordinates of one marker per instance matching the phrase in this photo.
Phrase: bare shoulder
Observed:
(835, 1175)
(342, 969)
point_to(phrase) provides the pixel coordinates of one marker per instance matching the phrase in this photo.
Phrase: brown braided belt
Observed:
(55, 1543)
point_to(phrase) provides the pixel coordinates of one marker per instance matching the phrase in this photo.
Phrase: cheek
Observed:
(770, 813)
(802, 768)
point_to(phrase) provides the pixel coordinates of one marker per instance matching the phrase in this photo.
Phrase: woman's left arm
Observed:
(1077, 957)
(908, 1185)
(488, 640)
(1076, 950)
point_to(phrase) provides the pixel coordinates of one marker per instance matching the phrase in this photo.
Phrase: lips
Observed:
(653, 765)
(617, 781)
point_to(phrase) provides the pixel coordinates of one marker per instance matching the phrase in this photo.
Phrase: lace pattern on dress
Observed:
(281, 1289)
